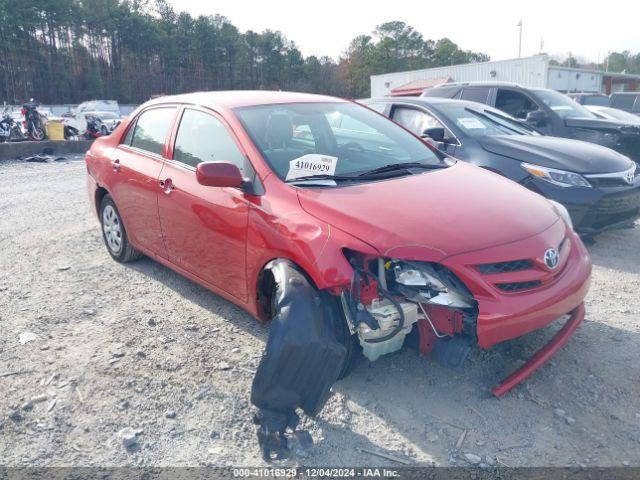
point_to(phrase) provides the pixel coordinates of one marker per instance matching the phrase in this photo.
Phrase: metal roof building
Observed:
(529, 71)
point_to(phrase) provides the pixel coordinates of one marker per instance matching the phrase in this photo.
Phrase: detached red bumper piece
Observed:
(544, 354)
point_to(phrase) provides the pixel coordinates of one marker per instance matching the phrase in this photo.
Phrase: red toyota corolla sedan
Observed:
(339, 226)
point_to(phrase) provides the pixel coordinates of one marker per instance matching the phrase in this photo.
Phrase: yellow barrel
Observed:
(55, 130)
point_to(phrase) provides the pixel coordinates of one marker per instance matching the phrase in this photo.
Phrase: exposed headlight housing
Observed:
(562, 213)
(406, 274)
(560, 178)
(420, 282)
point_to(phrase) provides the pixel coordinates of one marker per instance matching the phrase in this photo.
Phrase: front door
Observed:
(204, 228)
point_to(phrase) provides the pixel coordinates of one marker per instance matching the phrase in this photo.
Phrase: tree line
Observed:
(68, 51)
(625, 61)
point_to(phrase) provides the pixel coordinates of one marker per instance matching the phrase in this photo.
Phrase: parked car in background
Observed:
(627, 101)
(599, 99)
(110, 120)
(99, 106)
(549, 111)
(90, 124)
(613, 114)
(347, 237)
(599, 187)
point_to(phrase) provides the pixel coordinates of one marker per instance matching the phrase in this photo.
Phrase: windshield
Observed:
(562, 105)
(481, 122)
(330, 139)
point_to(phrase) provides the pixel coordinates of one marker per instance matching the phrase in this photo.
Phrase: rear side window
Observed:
(203, 138)
(151, 129)
(599, 100)
(476, 94)
(623, 102)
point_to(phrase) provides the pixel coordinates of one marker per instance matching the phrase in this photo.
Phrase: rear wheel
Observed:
(114, 233)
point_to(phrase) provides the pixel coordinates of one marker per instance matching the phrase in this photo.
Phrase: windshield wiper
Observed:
(322, 176)
(403, 166)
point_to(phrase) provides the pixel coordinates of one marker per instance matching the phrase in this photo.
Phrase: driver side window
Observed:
(514, 103)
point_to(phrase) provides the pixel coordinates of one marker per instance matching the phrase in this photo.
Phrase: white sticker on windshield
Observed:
(312, 164)
(470, 123)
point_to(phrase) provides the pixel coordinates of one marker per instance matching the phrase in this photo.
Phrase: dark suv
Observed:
(627, 101)
(549, 111)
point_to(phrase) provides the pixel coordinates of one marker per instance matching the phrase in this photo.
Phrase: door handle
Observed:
(166, 185)
(116, 165)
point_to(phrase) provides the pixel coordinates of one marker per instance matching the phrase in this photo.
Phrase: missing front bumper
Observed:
(542, 355)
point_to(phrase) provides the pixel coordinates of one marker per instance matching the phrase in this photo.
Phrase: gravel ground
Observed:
(139, 347)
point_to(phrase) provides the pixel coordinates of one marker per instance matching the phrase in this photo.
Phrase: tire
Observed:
(104, 130)
(114, 234)
(37, 134)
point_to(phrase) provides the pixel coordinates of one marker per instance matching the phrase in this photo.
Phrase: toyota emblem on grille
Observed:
(551, 258)
(629, 177)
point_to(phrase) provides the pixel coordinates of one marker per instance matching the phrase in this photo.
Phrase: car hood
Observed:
(433, 215)
(600, 124)
(554, 152)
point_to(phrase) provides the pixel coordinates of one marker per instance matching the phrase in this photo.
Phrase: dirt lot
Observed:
(132, 346)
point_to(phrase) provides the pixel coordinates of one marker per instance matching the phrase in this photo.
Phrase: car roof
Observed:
(243, 98)
(428, 101)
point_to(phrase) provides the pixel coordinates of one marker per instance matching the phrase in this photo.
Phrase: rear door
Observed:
(205, 228)
(136, 165)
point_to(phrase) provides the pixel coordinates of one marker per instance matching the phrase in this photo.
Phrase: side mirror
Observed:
(536, 117)
(435, 133)
(219, 174)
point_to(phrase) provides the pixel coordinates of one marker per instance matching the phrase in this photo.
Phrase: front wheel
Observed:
(114, 233)
(37, 134)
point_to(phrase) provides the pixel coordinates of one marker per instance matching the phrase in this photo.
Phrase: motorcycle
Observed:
(95, 127)
(34, 123)
(10, 129)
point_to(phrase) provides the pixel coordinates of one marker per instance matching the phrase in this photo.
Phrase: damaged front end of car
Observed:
(388, 303)
(389, 296)
(310, 343)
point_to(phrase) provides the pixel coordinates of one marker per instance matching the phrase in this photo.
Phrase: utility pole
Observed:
(520, 39)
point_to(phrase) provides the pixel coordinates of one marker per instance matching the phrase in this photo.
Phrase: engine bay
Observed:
(388, 297)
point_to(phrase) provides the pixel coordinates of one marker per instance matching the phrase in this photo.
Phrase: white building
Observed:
(529, 71)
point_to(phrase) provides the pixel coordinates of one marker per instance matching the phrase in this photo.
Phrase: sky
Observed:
(326, 27)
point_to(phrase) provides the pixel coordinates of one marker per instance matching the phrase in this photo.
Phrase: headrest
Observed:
(279, 130)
